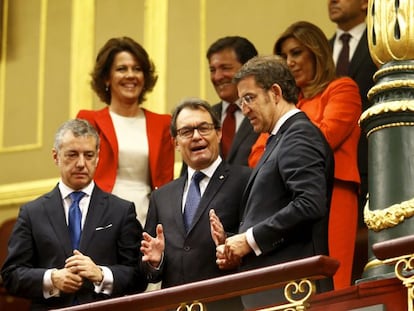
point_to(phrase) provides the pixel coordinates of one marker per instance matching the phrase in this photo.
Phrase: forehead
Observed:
(189, 116)
(290, 43)
(225, 56)
(78, 143)
(125, 57)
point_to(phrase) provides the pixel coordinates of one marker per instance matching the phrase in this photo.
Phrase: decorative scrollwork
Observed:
(404, 271)
(194, 306)
(394, 106)
(297, 294)
(389, 217)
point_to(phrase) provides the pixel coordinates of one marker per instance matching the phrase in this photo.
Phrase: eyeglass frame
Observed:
(247, 100)
(208, 130)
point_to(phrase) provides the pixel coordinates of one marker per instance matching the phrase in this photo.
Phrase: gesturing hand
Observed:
(216, 228)
(152, 248)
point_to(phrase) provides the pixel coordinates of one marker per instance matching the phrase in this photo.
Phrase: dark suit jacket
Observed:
(191, 256)
(40, 240)
(288, 195)
(243, 140)
(362, 70)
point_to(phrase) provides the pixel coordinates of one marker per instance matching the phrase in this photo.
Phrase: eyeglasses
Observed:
(247, 100)
(203, 129)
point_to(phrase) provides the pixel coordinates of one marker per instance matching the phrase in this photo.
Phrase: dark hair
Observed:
(105, 59)
(269, 70)
(192, 103)
(78, 127)
(313, 38)
(243, 48)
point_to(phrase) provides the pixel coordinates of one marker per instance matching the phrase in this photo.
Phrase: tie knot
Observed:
(198, 176)
(76, 196)
(345, 37)
(232, 108)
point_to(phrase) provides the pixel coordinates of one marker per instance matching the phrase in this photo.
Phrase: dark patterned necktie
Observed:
(342, 64)
(193, 199)
(75, 218)
(228, 129)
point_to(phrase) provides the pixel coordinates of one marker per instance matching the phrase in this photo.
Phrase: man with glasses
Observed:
(286, 201)
(177, 246)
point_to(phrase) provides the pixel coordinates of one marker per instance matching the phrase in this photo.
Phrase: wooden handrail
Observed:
(311, 268)
(394, 247)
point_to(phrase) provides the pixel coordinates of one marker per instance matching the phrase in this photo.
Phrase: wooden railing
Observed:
(312, 268)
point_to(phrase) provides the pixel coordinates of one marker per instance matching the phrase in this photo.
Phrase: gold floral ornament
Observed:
(389, 217)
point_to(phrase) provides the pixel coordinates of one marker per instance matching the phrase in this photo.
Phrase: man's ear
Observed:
(55, 156)
(277, 91)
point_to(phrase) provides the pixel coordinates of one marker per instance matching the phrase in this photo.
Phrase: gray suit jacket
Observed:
(243, 140)
(40, 240)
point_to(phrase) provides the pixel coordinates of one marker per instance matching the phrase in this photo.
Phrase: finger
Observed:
(160, 232)
(146, 237)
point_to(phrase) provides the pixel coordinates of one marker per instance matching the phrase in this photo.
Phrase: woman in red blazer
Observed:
(136, 153)
(334, 105)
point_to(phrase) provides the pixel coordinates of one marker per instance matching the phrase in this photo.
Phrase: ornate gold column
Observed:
(389, 126)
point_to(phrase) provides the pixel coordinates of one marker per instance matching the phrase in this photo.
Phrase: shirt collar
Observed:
(208, 171)
(355, 32)
(283, 119)
(66, 191)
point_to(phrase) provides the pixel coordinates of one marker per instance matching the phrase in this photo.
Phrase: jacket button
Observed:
(187, 248)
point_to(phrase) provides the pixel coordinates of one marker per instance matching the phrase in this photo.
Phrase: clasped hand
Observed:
(77, 268)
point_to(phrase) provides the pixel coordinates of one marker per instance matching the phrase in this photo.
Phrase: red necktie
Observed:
(228, 129)
(343, 58)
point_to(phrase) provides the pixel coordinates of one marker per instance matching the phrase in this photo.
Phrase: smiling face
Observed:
(300, 61)
(126, 79)
(77, 159)
(198, 152)
(223, 67)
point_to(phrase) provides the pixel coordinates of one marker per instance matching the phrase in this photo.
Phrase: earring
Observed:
(107, 89)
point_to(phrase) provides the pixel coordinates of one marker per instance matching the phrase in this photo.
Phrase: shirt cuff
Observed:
(252, 242)
(48, 289)
(107, 284)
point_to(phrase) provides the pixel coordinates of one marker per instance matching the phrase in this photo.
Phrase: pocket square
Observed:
(103, 228)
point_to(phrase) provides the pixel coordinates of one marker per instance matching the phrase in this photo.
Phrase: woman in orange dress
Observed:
(334, 105)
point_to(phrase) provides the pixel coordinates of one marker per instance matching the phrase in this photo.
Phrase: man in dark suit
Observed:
(190, 250)
(225, 57)
(286, 200)
(46, 262)
(349, 15)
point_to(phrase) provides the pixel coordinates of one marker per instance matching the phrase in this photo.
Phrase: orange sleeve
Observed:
(257, 150)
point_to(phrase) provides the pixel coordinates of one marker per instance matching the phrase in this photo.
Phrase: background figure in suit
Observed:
(286, 200)
(43, 266)
(225, 57)
(349, 15)
(136, 154)
(190, 254)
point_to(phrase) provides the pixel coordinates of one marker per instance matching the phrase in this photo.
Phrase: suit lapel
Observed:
(106, 128)
(177, 203)
(97, 207)
(359, 55)
(56, 214)
(243, 131)
(215, 183)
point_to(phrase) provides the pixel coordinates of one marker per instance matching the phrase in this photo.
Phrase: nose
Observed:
(81, 161)
(289, 61)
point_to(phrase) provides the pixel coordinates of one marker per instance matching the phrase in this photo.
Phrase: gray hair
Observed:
(78, 127)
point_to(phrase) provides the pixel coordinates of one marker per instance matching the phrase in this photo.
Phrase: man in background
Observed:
(350, 15)
(225, 57)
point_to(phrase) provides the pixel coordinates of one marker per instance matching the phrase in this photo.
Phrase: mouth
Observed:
(196, 149)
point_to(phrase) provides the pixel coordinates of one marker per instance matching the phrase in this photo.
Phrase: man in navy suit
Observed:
(42, 263)
(187, 253)
(287, 198)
